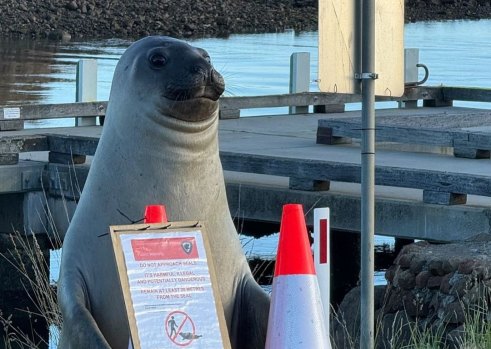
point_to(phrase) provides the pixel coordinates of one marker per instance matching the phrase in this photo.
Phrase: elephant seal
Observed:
(158, 145)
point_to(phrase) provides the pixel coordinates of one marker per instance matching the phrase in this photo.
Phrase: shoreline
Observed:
(124, 19)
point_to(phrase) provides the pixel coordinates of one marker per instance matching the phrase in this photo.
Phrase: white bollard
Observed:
(86, 90)
(322, 257)
(299, 78)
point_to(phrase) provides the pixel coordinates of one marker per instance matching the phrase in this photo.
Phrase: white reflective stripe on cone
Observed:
(296, 315)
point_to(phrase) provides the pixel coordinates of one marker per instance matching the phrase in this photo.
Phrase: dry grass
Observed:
(27, 258)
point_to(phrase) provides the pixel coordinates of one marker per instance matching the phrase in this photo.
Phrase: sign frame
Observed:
(161, 230)
(340, 46)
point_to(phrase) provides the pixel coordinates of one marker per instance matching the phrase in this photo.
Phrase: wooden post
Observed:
(86, 88)
(411, 58)
(299, 78)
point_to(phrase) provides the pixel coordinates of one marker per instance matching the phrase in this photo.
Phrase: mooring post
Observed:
(411, 59)
(299, 78)
(86, 90)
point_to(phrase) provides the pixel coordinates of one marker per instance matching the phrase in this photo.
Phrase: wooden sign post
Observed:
(169, 286)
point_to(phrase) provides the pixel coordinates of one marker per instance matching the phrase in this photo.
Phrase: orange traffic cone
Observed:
(296, 316)
(155, 214)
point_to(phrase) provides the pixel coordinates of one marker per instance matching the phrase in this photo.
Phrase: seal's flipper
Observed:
(79, 329)
(250, 319)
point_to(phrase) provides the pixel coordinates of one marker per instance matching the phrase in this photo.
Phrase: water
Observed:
(458, 53)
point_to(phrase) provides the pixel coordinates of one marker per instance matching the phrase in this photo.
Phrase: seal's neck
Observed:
(166, 138)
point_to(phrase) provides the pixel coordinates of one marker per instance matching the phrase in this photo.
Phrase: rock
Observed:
(459, 284)
(437, 284)
(72, 6)
(405, 279)
(445, 284)
(59, 35)
(417, 264)
(204, 18)
(454, 313)
(395, 331)
(422, 278)
(434, 282)
(454, 338)
(405, 260)
(466, 267)
(436, 267)
(346, 325)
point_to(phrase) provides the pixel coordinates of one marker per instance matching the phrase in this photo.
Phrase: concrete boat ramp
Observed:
(423, 190)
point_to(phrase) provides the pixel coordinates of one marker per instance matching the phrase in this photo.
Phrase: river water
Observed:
(458, 53)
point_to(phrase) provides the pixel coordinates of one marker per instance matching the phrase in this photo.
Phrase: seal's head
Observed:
(176, 77)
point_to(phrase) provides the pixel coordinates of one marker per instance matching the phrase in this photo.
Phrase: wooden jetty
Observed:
(433, 171)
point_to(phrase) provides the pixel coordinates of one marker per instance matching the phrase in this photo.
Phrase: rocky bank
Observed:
(190, 18)
(430, 287)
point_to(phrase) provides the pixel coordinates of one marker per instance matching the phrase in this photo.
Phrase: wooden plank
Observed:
(9, 158)
(66, 110)
(470, 94)
(435, 180)
(471, 153)
(319, 99)
(8, 125)
(72, 144)
(308, 184)
(19, 144)
(91, 109)
(442, 198)
(66, 181)
(64, 158)
(272, 101)
(24, 176)
(457, 129)
(388, 133)
(325, 135)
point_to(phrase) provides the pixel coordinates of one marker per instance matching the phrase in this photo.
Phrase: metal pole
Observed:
(368, 175)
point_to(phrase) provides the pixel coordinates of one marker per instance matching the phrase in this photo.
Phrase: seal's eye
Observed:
(157, 60)
(208, 59)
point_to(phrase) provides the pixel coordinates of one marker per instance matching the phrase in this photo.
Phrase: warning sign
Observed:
(169, 287)
(180, 328)
(164, 249)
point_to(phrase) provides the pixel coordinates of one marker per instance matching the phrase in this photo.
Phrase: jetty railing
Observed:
(73, 148)
(56, 150)
(432, 96)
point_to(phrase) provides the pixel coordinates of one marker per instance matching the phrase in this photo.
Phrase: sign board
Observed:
(340, 46)
(169, 286)
(11, 113)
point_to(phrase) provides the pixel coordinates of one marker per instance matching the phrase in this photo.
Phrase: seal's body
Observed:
(159, 145)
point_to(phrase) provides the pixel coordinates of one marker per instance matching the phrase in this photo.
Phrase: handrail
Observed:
(92, 109)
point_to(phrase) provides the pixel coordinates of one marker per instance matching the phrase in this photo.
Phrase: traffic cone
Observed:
(155, 214)
(296, 316)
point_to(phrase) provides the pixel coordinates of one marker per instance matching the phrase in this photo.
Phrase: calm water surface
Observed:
(458, 53)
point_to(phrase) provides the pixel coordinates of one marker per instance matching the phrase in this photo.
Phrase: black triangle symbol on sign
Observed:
(187, 246)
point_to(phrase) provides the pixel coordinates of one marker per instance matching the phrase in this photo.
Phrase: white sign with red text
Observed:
(170, 286)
